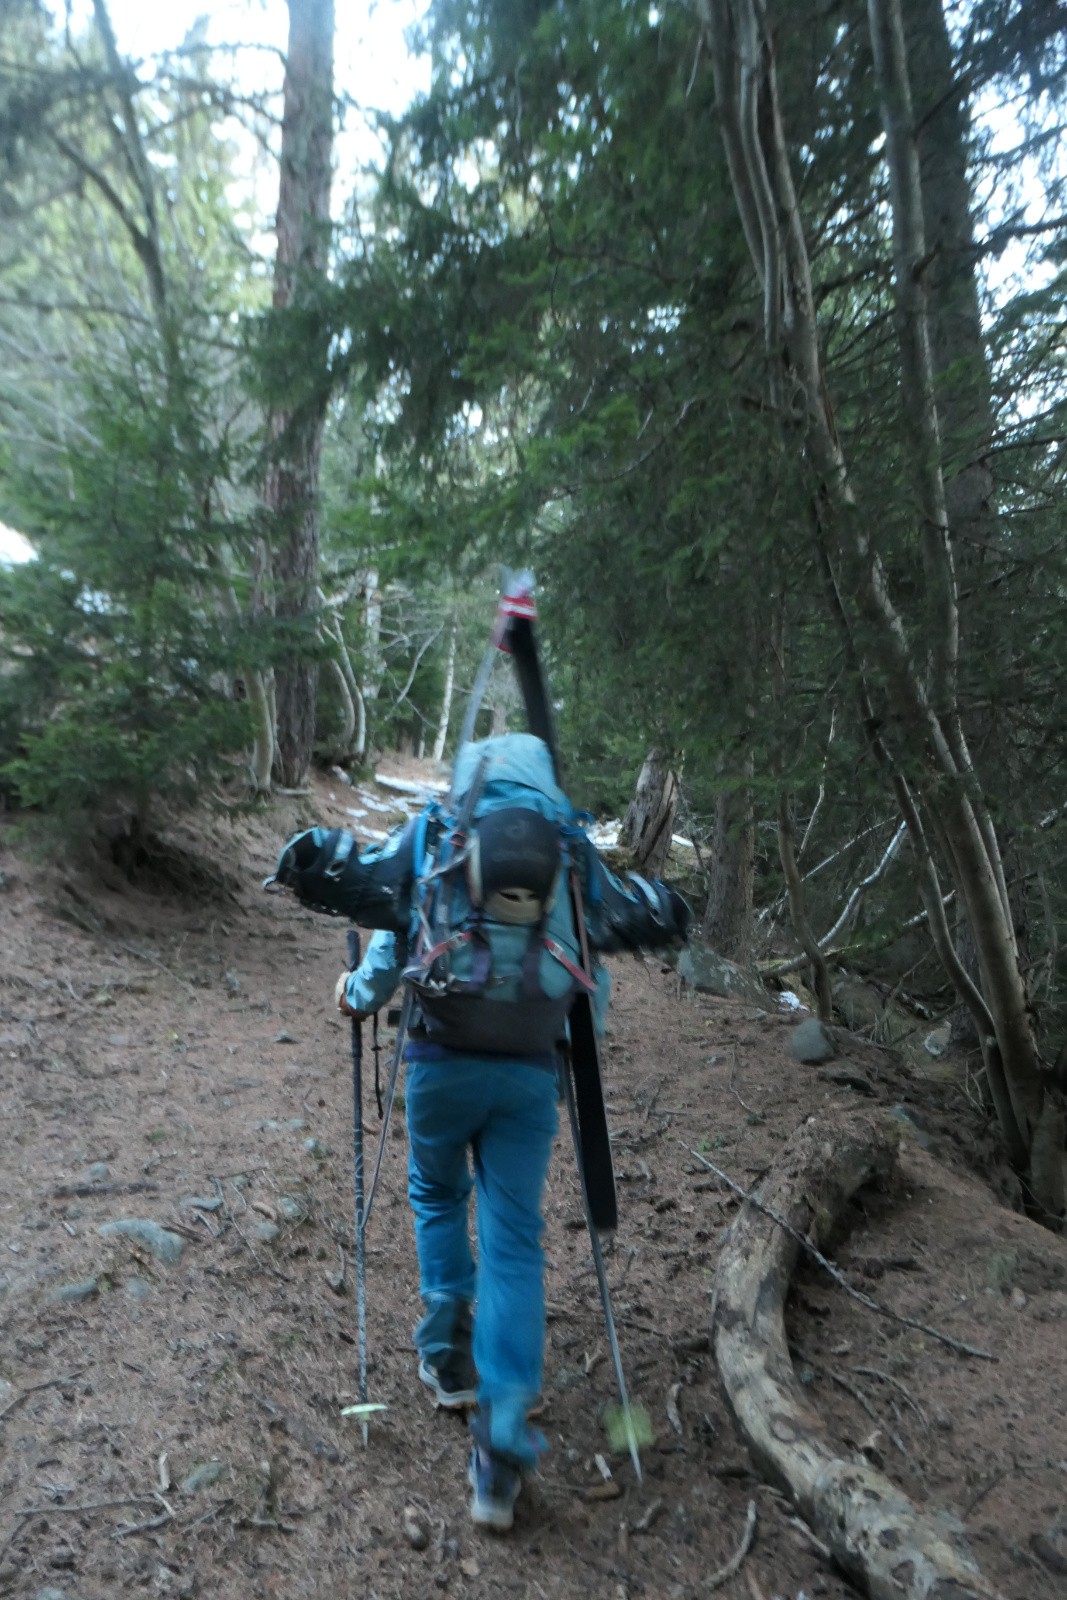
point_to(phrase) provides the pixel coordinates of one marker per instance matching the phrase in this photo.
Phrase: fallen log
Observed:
(891, 1547)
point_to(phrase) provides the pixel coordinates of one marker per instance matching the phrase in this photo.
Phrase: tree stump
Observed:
(649, 820)
(885, 1542)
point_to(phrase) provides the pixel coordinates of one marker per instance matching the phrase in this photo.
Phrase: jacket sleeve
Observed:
(632, 913)
(377, 977)
(374, 887)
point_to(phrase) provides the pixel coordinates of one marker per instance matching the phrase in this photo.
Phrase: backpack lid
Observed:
(511, 758)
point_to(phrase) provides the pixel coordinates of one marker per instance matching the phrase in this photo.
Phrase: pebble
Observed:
(231, 982)
(99, 1172)
(291, 1209)
(202, 1476)
(50, 1594)
(138, 1289)
(72, 1294)
(271, 1125)
(284, 1037)
(416, 1532)
(266, 1232)
(202, 1202)
(1018, 1299)
(316, 1148)
(159, 1242)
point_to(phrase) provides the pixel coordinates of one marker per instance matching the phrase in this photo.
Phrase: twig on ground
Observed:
(838, 1277)
(736, 1092)
(125, 1530)
(86, 1505)
(987, 1488)
(894, 1383)
(724, 1574)
(35, 1388)
(673, 1416)
(815, 1542)
(211, 1513)
(861, 1400)
(85, 1191)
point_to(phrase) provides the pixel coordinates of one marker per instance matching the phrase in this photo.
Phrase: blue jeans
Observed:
(504, 1111)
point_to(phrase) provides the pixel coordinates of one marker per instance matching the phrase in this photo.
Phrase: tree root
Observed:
(891, 1547)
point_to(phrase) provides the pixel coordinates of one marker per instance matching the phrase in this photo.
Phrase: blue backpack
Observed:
(497, 956)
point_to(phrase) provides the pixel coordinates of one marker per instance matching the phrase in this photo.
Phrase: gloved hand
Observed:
(340, 995)
(298, 854)
(310, 865)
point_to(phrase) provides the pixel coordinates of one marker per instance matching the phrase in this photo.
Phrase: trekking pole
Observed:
(390, 1093)
(601, 1273)
(357, 1146)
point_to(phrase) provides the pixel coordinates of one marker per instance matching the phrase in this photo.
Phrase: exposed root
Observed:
(892, 1547)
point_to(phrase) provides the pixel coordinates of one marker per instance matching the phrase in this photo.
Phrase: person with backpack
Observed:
(479, 909)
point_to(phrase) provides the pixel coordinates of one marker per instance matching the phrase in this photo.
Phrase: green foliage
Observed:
(116, 658)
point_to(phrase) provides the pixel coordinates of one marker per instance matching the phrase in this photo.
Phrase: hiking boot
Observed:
(496, 1481)
(452, 1383)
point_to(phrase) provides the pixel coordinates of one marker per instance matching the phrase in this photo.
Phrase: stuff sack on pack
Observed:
(498, 959)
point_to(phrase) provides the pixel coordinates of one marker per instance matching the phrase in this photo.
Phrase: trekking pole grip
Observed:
(353, 950)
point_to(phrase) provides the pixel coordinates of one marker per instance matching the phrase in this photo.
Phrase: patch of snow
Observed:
(791, 1001)
(429, 786)
(605, 833)
(374, 805)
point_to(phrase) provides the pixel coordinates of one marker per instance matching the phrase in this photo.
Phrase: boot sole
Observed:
(497, 1517)
(460, 1400)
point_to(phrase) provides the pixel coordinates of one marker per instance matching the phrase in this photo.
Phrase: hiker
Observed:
(475, 912)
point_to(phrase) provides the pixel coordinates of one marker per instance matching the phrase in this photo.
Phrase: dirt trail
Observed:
(176, 1428)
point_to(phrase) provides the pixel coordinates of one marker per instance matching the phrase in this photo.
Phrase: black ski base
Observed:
(599, 1172)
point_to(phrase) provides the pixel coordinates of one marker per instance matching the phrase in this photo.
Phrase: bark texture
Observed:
(649, 820)
(893, 1548)
(727, 924)
(293, 477)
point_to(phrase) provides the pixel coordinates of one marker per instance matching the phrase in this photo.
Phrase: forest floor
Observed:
(176, 1429)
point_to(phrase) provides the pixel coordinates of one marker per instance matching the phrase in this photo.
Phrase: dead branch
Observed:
(893, 1548)
(724, 1574)
(35, 1388)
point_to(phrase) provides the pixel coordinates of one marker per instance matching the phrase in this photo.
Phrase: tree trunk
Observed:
(914, 666)
(961, 368)
(892, 1548)
(962, 378)
(373, 665)
(649, 820)
(727, 925)
(292, 484)
(446, 698)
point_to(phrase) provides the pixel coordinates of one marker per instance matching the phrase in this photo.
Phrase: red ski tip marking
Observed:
(519, 605)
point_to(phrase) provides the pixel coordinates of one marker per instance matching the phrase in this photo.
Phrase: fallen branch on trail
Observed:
(892, 1547)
